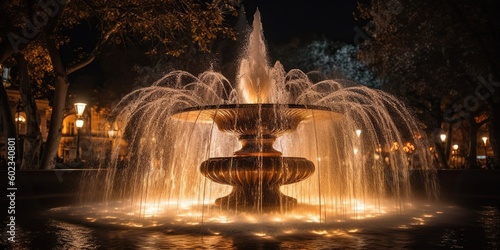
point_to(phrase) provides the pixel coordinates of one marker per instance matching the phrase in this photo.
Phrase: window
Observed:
(71, 128)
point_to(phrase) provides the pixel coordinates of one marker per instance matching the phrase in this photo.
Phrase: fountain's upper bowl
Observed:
(261, 120)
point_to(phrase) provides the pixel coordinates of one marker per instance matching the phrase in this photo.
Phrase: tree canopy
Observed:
(50, 35)
(435, 54)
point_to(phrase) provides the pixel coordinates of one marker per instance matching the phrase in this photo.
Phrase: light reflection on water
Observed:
(490, 223)
(454, 228)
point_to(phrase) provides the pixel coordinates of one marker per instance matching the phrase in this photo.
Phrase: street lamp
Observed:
(79, 107)
(19, 119)
(79, 125)
(485, 139)
(443, 146)
(112, 133)
(443, 137)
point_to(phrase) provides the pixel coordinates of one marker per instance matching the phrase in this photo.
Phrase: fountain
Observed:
(257, 170)
(278, 161)
(198, 148)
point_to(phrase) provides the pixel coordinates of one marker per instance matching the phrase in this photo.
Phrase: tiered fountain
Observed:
(277, 143)
(257, 170)
(285, 163)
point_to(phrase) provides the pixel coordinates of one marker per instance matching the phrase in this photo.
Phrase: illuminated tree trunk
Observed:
(494, 128)
(472, 156)
(33, 137)
(10, 126)
(8, 120)
(56, 119)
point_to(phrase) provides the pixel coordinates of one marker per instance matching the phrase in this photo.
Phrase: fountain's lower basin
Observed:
(451, 228)
(99, 226)
(257, 176)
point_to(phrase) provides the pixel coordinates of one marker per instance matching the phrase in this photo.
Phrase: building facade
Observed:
(17, 110)
(92, 139)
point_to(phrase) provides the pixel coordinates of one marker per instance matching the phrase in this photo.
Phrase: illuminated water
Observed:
(433, 227)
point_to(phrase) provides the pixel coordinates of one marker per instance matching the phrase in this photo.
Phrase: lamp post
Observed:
(455, 157)
(443, 140)
(485, 139)
(112, 133)
(79, 125)
(442, 137)
(19, 119)
(79, 107)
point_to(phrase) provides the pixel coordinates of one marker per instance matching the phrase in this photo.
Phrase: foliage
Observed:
(167, 26)
(426, 51)
(438, 55)
(171, 27)
(346, 63)
(330, 58)
(163, 26)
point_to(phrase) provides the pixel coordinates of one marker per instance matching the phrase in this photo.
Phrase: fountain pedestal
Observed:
(256, 180)
(257, 170)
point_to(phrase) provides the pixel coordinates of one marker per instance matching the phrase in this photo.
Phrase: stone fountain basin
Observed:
(256, 119)
(255, 171)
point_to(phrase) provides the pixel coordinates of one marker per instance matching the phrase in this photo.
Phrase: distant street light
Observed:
(19, 119)
(443, 137)
(443, 140)
(455, 155)
(358, 132)
(485, 139)
(112, 133)
(79, 107)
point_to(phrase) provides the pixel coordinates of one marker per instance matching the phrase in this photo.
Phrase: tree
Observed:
(434, 54)
(171, 27)
(331, 58)
(33, 138)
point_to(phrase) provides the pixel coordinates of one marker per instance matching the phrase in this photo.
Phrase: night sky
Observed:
(283, 20)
